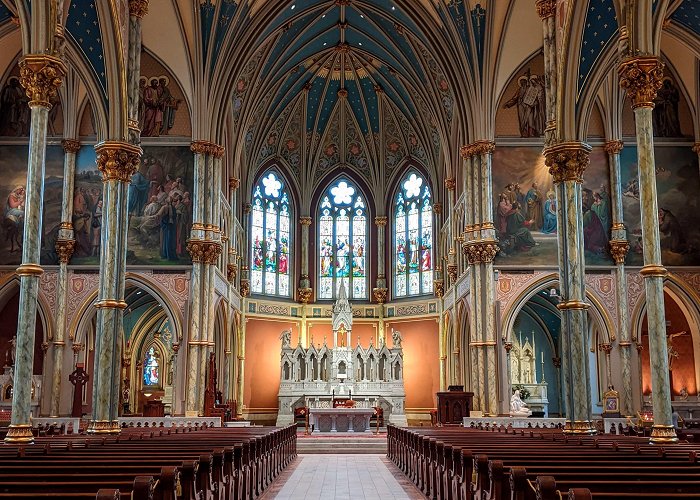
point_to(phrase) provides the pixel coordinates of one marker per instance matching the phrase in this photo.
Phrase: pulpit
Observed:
(453, 406)
(154, 408)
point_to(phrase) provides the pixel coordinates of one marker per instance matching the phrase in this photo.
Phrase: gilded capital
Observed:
(207, 148)
(618, 250)
(380, 221)
(117, 160)
(613, 147)
(64, 249)
(466, 151)
(70, 145)
(245, 288)
(437, 208)
(546, 8)
(484, 147)
(641, 77)
(234, 183)
(481, 251)
(439, 288)
(231, 272)
(380, 294)
(138, 8)
(204, 251)
(567, 161)
(305, 294)
(41, 75)
(305, 221)
(450, 184)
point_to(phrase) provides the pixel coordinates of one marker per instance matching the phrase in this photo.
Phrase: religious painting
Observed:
(159, 207)
(525, 208)
(522, 110)
(678, 187)
(15, 116)
(13, 165)
(161, 111)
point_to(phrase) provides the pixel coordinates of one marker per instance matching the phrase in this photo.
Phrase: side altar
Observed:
(314, 376)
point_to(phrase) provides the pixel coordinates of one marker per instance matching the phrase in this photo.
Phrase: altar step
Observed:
(342, 443)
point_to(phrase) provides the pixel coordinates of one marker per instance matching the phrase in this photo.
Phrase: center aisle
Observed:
(342, 477)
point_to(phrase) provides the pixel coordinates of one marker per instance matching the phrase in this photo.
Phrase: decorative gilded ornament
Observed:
(70, 145)
(484, 147)
(41, 75)
(546, 8)
(117, 160)
(439, 288)
(304, 294)
(64, 249)
(245, 288)
(138, 8)
(231, 272)
(641, 77)
(618, 250)
(305, 221)
(380, 221)
(207, 148)
(568, 161)
(613, 147)
(380, 294)
(450, 184)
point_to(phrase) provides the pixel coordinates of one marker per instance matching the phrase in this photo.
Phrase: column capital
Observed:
(466, 151)
(304, 294)
(380, 294)
(618, 250)
(70, 145)
(247, 208)
(567, 161)
(117, 160)
(696, 148)
(245, 288)
(207, 148)
(234, 183)
(437, 208)
(606, 347)
(64, 249)
(450, 183)
(305, 220)
(481, 251)
(613, 147)
(41, 75)
(380, 221)
(641, 77)
(484, 147)
(546, 8)
(439, 288)
(231, 272)
(138, 8)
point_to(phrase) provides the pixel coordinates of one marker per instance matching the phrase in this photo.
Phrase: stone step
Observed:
(343, 444)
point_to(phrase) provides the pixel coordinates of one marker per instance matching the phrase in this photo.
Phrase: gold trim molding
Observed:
(653, 271)
(663, 434)
(110, 304)
(546, 8)
(575, 305)
(30, 270)
(19, 434)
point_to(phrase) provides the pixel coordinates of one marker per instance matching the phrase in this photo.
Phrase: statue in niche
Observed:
(396, 338)
(286, 338)
(10, 353)
(342, 336)
(665, 115)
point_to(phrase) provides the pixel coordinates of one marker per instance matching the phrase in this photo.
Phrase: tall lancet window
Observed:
(270, 236)
(342, 241)
(413, 237)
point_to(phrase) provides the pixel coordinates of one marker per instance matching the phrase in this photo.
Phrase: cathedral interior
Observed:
(506, 189)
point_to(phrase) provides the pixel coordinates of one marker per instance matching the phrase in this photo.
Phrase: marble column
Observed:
(117, 161)
(40, 75)
(65, 244)
(567, 162)
(232, 265)
(642, 77)
(450, 185)
(245, 277)
(547, 10)
(240, 357)
(305, 291)
(439, 281)
(137, 10)
(380, 292)
(619, 246)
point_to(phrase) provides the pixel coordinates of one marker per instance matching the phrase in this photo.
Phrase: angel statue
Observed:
(286, 338)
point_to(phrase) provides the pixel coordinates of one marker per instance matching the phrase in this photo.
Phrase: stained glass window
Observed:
(342, 241)
(270, 237)
(413, 237)
(151, 368)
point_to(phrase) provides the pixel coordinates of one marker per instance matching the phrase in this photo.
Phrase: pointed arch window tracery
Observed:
(413, 237)
(270, 241)
(342, 241)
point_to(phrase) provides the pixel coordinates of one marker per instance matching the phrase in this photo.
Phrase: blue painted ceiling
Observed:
(599, 32)
(688, 15)
(326, 48)
(84, 27)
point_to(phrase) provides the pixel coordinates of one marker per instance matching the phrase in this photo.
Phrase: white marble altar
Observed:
(340, 419)
(313, 376)
(522, 360)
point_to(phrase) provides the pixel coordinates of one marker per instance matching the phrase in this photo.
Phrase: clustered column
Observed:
(547, 9)
(40, 75)
(65, 244)
(304, 292)
(204, 247)
(117, 161)
(642, 77)
(439, 281)
(480, 247)
(619, 246)
(232, 265)
(137, 10)
(567, 162)
(381, 291)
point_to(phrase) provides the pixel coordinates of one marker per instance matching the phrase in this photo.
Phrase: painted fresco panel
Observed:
(159, 207)
(13, 182)
(678, 186)
(525, 208)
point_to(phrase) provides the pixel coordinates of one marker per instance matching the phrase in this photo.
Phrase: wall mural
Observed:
(678, 185)
(159, 207)
(525, 208)
(13, 182)
(15, 115)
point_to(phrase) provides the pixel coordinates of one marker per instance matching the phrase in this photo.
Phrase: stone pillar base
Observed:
(19, 434)
(580, 427)
(104, 427)
(663, 434)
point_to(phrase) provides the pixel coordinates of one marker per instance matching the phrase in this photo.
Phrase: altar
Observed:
(340, 419)
(316, 376)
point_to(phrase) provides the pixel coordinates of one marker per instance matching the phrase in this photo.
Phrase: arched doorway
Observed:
(683, 344)
(9, 311)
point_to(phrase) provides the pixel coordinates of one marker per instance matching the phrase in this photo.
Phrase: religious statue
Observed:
(286, 338)
(396, 338)
(10, 353)
(517, 407)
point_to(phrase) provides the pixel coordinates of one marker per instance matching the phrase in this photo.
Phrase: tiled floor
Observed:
(342, 477)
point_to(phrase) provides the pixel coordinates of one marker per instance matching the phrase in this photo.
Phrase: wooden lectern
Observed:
(453, 405)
